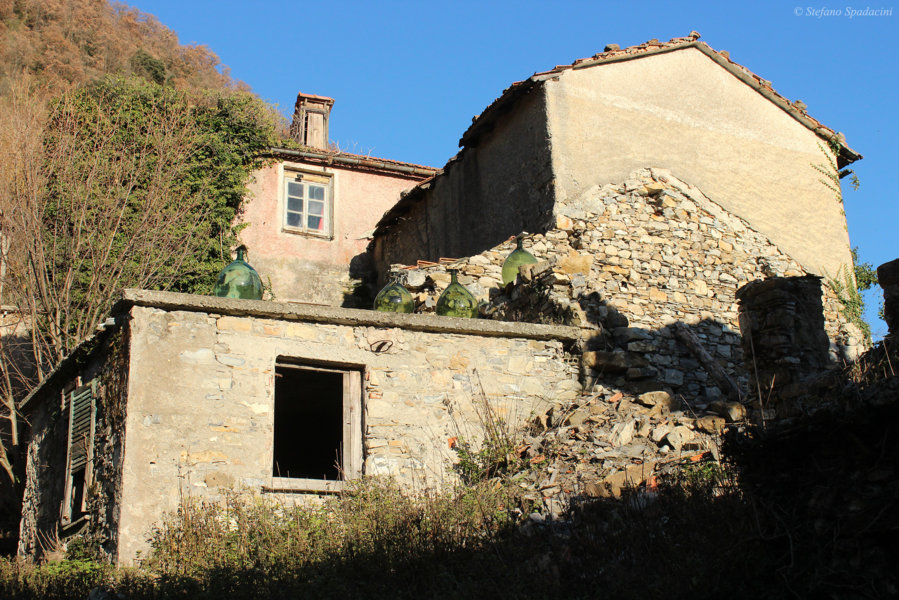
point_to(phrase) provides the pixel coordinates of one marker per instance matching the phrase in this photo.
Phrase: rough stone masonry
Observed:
(888, 277)
(628, 262)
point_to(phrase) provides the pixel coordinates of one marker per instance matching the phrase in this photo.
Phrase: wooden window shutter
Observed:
(315, 131)
(81, 426)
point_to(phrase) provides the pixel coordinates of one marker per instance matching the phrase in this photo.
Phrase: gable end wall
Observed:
(681, 111)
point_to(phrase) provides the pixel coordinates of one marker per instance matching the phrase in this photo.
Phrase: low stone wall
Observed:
(626, 263)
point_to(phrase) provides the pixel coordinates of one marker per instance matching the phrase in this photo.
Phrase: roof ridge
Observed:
(322, 154)
(614, 53)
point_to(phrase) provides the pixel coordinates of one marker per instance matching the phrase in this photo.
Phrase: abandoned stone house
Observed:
(666, 192)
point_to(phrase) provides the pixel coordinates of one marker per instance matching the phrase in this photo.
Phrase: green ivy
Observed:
(127, 123)
(848, 290)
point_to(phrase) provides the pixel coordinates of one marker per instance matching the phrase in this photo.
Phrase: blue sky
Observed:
(409, 76)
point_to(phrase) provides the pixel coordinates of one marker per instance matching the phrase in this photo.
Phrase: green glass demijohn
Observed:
(456, 301)
(239, 280)
(517, 258)
(394, 298)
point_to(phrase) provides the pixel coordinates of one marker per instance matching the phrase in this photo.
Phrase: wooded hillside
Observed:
(125, 157)
(75, 41)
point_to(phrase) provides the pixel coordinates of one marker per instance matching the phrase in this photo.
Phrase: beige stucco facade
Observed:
(682, 111)
(680, 107)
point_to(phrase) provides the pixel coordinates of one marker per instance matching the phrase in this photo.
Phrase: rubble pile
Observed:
(606, 441)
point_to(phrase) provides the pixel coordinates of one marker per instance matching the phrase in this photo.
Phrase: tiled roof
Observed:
(360, 161)
(613, 53)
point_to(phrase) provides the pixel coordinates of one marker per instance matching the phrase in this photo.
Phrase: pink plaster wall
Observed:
(303, 267)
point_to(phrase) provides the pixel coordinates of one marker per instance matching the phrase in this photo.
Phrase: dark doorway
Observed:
(308, 422)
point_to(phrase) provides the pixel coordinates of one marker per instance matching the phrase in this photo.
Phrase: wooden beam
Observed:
(693, 344)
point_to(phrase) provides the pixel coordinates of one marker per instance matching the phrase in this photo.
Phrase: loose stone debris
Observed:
(605, 441)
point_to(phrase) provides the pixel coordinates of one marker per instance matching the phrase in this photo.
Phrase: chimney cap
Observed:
(314, 98)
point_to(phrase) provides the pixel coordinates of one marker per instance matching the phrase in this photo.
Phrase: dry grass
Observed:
(694, 536)
(809, 512)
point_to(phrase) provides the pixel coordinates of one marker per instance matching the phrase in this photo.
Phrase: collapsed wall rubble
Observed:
(605, 441)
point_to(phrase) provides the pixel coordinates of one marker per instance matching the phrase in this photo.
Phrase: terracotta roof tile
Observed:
(613, 54)
(359, 160)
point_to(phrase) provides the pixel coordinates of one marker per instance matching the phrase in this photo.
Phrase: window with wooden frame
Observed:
(317, 442)
(307, 203)
(82, 413)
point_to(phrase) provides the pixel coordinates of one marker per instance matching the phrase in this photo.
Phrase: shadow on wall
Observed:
(782, 344)
(363, 281)
(700, 360)
(784, 340)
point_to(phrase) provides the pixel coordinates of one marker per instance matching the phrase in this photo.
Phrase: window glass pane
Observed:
(295, 204)
(316, 192)
(294, 219)
(316, 223)
(295, 188)
(316, 208)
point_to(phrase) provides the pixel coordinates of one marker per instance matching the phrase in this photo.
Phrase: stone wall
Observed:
(782, 322)
(201, 396)
(47, 452)
(888, 277)
(627, 263)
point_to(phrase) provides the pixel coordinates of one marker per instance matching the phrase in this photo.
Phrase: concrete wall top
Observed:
(343, 316)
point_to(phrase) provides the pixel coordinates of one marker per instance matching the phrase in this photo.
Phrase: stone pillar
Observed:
(782, 322)
(888, 277)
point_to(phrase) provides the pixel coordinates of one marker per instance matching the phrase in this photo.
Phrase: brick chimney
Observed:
(310, 120)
